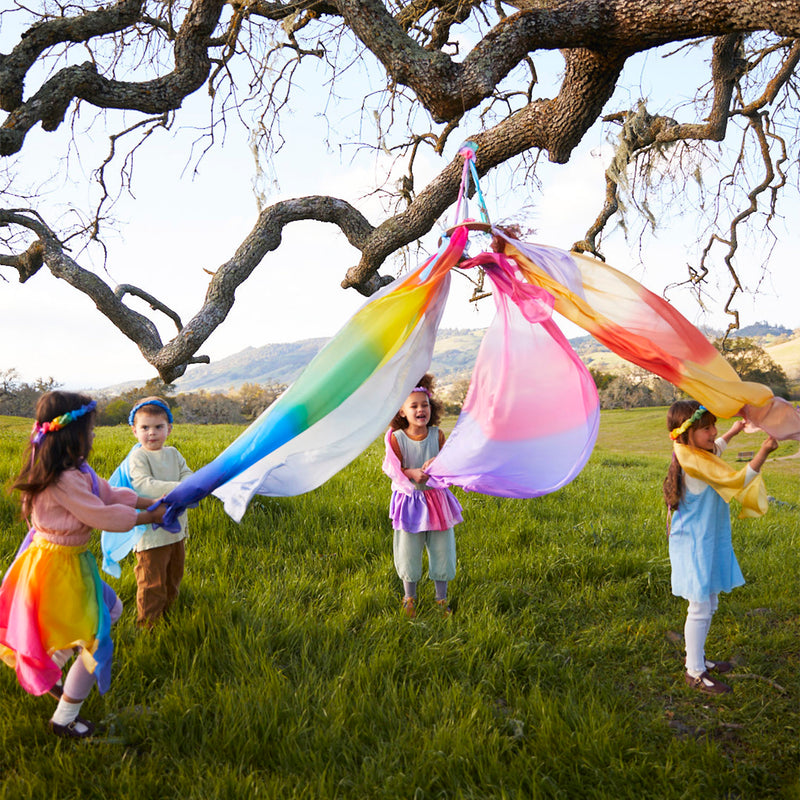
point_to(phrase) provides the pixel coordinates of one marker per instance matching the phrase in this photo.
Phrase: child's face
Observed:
(417, 410)
(151, 430)
(703, 438)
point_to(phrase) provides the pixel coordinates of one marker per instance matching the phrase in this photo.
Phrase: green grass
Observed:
(287, 671)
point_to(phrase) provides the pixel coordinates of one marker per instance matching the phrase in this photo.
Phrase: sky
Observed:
(180, 224)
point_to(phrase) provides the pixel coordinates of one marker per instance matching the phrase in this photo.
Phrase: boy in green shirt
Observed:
(155, 469)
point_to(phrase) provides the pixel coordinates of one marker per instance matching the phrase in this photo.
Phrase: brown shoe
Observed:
(408, 607)
(444, 608)
(718, 666)
(705, 683)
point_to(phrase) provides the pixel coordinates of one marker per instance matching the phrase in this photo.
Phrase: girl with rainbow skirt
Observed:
(52, 600)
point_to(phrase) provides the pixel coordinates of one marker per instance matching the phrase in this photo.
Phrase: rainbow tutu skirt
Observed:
(429, 510)
(52, 599)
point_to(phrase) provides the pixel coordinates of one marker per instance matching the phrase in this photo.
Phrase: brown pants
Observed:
(158, 577)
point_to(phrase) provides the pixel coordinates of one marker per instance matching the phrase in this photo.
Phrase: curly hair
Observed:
(677, 414)
(59, 450)
(427, 381)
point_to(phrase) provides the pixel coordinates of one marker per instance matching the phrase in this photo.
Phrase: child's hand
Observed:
(769, 445)
(148, 517)
(416, 474)
(737, 427)
(427, 464)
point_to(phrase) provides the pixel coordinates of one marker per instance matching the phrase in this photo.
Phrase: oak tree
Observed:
(449, 70)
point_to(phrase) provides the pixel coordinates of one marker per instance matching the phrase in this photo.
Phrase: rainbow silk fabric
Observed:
(727, 482)
(530, 419)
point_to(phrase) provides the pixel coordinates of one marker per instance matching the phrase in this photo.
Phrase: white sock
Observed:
(62, 656)
(66, 712)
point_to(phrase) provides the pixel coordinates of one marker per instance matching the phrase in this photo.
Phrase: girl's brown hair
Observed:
(427, 381)
(677, 414)
(59, 450)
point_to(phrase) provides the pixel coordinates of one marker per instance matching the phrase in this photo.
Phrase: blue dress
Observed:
(700, 547)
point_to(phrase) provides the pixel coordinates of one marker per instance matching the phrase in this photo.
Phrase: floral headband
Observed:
(420, 389)
(41, 429)
(150, 402)
(676, 432)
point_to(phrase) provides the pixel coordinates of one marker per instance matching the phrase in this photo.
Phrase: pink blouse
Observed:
(67, 511)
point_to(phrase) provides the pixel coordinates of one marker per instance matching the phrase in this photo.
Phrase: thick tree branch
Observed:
(50, 103)
(553, 125)
(641, 131)
(171, 359)
(447, 89)
(50, 32)
(182, 39)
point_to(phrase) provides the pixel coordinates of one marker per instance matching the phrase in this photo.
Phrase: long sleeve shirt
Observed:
(153, 474)
(67, 511)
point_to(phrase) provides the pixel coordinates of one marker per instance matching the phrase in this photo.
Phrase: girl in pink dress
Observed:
(52, 600)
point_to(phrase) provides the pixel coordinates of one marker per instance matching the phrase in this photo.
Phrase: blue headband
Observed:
(160, 403)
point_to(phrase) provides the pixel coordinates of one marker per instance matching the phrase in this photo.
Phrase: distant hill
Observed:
(272, 363)
(763, 330)
(453, 358)
(787, 354)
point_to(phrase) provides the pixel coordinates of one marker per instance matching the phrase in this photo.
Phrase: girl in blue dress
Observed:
(697, 490)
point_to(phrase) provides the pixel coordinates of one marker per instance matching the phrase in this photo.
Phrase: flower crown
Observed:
(41, 429)
(676, 432)
(420, 389)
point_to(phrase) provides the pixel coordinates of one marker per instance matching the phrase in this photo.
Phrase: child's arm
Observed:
(143, 502)
(768, 445)
(112, 510)
(183, 467)
(148, 517)
(734, 430)
(413, 474)
(442, 440)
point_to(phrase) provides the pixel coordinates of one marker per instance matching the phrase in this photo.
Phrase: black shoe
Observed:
(79, 728)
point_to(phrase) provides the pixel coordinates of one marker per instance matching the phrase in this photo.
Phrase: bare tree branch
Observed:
(449, 66)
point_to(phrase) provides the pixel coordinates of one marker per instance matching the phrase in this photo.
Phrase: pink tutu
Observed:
(429, 510)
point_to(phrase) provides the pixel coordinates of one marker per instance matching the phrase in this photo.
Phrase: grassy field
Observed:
(287, 671)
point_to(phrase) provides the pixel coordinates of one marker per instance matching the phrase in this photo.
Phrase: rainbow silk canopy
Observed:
(530, 419)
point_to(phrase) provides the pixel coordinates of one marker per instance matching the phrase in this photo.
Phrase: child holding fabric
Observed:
(422, 517)
(52, 599)
(697, 489)
(154, 469)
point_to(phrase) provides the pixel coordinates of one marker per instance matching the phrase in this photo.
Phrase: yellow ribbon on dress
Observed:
(727, 482)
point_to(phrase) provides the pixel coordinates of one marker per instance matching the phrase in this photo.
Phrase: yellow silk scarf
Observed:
(727, 482)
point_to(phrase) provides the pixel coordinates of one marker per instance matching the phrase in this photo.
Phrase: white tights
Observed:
(695, 631)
